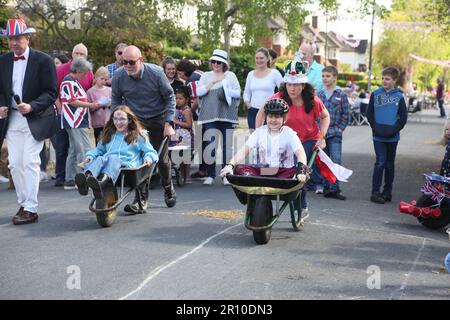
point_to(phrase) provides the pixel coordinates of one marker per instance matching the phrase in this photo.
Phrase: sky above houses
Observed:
(346, 24)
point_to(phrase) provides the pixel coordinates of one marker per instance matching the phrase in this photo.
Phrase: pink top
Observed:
(304, 124)
(100, 116)
(64, 70)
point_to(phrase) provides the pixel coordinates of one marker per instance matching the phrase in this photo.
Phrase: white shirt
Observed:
(17, 120)
(19, 69)
(273, 151)
(234, 88)
(258, 90)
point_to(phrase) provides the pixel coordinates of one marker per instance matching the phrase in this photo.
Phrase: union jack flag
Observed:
(73, 117)
(435, 190)
(15, 27)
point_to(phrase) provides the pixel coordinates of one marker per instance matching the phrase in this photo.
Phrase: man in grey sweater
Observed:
(145, 89)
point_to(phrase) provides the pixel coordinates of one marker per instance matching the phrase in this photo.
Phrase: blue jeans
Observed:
(441, 107)
(61, 152)
(384, 163)
(315, 177)
(211, 134)
(251, 117)
(334, 151)
(109, 165)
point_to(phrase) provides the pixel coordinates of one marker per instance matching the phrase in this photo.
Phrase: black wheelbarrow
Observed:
(105, 208)
(261, 191)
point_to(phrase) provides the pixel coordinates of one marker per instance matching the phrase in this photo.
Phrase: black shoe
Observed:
(334, 195)
(59, 183)
(386, 197)
(134, 207)
(81, 182)
(377, 198)
(97, 185)
(170, 197)
(198, 175)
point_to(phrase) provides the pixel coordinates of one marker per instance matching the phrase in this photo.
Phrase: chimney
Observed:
(315, 22)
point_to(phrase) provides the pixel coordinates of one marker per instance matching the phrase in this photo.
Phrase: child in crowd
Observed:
(101, 94)
(184, 135)
(445, 171)
(123, 144)
(445, 166)
(387, 115)
(273, 147)
(336, 102)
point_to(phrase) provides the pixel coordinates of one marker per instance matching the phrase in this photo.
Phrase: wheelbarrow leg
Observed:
(141, 193)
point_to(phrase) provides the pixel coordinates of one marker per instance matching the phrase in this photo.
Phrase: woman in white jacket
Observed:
(219, 93)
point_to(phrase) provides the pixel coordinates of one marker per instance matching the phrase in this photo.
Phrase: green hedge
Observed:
(362, 85)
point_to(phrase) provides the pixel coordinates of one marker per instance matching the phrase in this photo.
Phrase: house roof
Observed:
(309, 33)
(345, 44)
(332, 41)
(276, 23)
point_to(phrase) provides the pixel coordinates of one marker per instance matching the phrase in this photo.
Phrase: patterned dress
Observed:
(183, 137)
(445, 167)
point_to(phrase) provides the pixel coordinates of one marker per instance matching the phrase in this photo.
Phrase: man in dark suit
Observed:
(27, 94)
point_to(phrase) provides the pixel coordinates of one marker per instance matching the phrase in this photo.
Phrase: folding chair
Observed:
(363, 114)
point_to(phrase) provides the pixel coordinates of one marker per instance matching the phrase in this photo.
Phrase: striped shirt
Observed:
(339, 108)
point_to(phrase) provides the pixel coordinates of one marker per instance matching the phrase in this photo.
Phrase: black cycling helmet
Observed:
(276, 106)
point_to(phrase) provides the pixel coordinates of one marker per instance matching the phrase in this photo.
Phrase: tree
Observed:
(5, 14)
(99, 24)
(395, 46)
(216, 19)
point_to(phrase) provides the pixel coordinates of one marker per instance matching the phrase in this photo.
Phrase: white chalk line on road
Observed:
(374, 231)
(161, 268)
(401, 290)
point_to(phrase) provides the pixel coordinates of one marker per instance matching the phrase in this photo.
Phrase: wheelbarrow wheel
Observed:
(296, 214)
(431, 222)
(262, 216)
(110, 198)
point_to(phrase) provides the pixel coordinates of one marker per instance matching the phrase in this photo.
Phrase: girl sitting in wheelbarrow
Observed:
(272, 148)
(123, 143)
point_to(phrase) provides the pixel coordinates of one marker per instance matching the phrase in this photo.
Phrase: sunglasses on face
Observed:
(130, 62)
(120, 119)
(216, 62)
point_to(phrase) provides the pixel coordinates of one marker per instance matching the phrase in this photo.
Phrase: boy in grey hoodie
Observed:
(387, 115)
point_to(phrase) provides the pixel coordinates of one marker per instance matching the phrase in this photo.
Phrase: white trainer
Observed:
(208, 181)
(225, 181)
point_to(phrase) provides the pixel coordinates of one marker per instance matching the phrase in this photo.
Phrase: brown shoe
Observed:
(18, 214)
(25, 217)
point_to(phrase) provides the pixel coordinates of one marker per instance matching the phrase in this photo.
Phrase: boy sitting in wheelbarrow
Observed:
(272, 148)
(123, 143)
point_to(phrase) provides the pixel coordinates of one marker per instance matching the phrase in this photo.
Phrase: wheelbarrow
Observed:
(261, 191)
(105, 208)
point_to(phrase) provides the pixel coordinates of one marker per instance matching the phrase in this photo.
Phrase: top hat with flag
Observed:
(16, 27)
(295, 71)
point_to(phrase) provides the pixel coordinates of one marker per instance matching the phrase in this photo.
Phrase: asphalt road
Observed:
(172, 254)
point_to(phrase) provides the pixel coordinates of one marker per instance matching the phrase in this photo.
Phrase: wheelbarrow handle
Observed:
(313, 156)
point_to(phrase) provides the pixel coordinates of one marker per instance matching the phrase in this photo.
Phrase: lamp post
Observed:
(371, 47)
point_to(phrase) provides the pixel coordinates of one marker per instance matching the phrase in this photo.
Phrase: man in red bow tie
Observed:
(27, 116)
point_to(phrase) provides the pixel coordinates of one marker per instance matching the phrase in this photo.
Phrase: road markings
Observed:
(400, 292)
(161, 268)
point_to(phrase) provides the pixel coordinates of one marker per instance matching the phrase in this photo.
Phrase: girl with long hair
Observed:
(123, 143)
